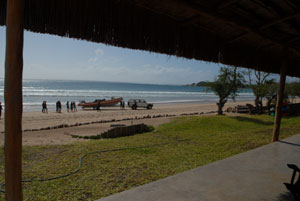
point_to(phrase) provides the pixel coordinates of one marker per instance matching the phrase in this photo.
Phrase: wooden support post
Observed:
(280, 95)
(13, 99)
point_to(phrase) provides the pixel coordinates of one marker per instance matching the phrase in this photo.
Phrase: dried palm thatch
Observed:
(244, 33)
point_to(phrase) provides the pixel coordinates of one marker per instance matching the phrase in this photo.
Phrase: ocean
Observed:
(36, 91)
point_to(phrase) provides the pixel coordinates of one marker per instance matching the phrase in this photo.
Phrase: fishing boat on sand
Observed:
(104, 103)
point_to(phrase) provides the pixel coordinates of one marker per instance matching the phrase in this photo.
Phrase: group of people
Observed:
(122, 105)
(70, 107)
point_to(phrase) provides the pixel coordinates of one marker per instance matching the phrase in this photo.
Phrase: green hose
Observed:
(80, 163)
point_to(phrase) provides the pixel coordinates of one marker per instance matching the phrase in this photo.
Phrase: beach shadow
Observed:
(287, 196)
(289, 143)
(256, 121)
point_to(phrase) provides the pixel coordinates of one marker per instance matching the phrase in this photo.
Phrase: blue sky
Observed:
(53, 57)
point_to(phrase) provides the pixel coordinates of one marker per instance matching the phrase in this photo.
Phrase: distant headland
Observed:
(199, 84)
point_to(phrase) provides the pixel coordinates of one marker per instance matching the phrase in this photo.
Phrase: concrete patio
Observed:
(251, 176)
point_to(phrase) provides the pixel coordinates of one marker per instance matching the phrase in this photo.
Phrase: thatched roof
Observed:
(253, 34)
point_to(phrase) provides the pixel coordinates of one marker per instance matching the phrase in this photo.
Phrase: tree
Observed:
(293, 89)
(272, 89)
(263, 87)
(226, 85)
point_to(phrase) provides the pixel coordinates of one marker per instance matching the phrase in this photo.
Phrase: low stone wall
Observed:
(125, 131)
(121, 131)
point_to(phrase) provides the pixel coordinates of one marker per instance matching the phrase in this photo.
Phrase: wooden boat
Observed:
(103, 103)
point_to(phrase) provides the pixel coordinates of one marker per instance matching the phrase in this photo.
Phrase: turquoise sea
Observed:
(36, 91)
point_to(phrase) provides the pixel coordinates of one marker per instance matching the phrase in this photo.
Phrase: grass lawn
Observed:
(189, 142)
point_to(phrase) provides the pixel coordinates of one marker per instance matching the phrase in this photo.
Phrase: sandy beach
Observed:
(56, 128)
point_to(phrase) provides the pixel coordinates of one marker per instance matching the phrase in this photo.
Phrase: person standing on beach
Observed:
(74, 106)
(44, 106)
(68, 106)
(59, 106)
(71, 106)
(98, 106)
(1, 108)
(122, 105)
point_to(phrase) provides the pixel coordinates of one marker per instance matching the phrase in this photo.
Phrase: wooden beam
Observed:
(279, 20)
(280, 94)
(235, 23)
(224, 4)
(294, 39)
(13, 99)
